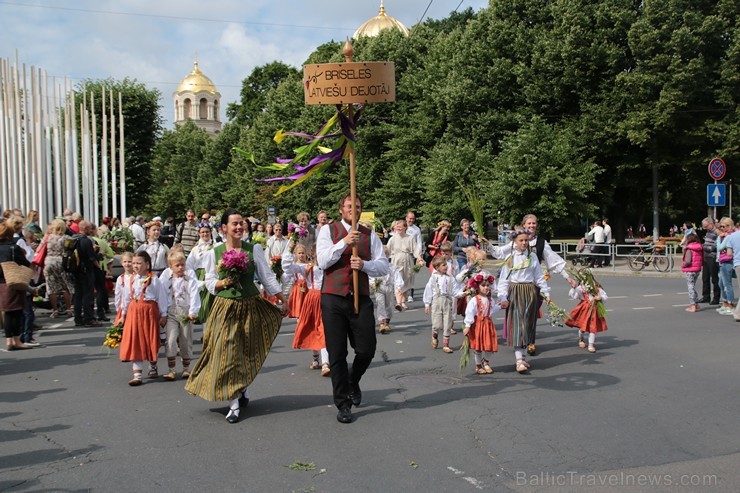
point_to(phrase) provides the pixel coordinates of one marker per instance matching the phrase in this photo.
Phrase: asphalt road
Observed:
(655, 409)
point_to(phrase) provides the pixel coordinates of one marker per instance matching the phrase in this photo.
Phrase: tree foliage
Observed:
(556, 108)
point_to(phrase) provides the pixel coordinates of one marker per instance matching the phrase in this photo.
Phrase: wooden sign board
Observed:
(352, 82)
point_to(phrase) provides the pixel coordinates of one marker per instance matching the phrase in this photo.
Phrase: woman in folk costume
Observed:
(520, 277)
(196, 263)
(405, 252)
(144, 315)
(296, 272)
(309, 332)
(241, 325)
(479, 326)
(438, 236)
(585, 316)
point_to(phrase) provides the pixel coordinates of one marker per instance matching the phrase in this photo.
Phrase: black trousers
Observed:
(710, 279)
(83, 298)
(340, 325)
(12, 323)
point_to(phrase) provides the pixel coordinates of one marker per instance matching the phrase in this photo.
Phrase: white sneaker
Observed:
(410, 299)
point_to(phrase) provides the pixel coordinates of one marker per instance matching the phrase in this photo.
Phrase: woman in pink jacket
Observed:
(691, 267)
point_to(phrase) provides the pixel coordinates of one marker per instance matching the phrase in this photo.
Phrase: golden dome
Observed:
(380, 22)
(196, 82)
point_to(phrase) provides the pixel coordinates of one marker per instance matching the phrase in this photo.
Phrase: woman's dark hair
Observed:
(230, 212)
(688, 224)
(691, 238)
(144, 255)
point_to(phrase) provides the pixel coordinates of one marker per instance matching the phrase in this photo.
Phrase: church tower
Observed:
(198, 100)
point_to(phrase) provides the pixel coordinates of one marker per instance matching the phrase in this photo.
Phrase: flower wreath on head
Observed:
(153, 223)
(518, 232)
(444, 223)
(204, 224)
(476, 280)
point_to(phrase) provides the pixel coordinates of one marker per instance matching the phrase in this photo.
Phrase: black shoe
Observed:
(232, 417)
(344, 415)
(714, 302)
(703, 300)
(93, 324)
(104, 319)
(356, 396)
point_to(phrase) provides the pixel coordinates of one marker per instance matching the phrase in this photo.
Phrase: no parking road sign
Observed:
(717, 169)
(716, 195)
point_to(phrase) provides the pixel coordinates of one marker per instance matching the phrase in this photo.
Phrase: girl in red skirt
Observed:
(296, 270)
(585, 316)
(478, 322)
(309, 333)
(144, 315)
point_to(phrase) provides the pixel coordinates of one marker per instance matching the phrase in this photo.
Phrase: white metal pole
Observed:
(121, 159)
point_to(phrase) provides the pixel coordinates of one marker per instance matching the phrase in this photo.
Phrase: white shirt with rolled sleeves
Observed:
(471, 310)
(533, 273)
(552, 261)
(328, 253)
(154, 292)
(447, 284)
(264, 273)
(579, 293)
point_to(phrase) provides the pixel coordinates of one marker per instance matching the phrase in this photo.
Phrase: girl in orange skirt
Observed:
(296, 270)
(309, 333)
(478, 322)
(128, 271)
(585, 316)
(144, 315)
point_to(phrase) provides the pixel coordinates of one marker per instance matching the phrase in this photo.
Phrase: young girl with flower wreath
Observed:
(479, 326)
(588, 315)
(520, 277)
(309, 332)
(296, 272)
(144, 315)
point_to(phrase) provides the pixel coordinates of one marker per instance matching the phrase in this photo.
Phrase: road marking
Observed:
(649, 295)
(644, 308)
(678, 306)
(685, 292)
(55, 326)
(616, 297)
(65, 345)
(56, 331)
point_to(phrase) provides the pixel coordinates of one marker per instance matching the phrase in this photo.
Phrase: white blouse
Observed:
(579, 293)
(118, 297)
(158, 251)
(275, 246)
(554, 262)
(471, 310)
(262, 268)
(532, 273)
(291, 269)
(195, 259)
(154, 292)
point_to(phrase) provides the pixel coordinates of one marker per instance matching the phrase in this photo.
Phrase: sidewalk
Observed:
(622, 269)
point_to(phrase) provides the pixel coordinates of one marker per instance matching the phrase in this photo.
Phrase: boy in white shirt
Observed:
(439, 300)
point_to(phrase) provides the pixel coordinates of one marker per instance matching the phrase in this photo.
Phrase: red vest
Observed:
(338, 277)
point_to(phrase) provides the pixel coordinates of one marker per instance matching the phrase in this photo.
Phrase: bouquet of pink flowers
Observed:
(296, 232)
(233, 263)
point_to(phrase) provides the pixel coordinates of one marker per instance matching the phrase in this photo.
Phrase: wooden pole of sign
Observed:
(348, 52)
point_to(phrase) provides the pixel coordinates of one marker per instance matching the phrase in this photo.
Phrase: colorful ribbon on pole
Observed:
(318, 163)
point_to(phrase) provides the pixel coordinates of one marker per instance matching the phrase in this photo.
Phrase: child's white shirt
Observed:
(448, 286)
(118, 293)
(183, 291)
(532, 273)
(291, 268)
(393, 278)
(471, 310)
(154, 292)
(195, 258)
(579, 293)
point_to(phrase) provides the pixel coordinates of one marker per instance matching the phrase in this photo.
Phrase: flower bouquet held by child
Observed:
(589, 316)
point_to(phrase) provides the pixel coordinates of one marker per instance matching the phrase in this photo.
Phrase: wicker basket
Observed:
(17, 277)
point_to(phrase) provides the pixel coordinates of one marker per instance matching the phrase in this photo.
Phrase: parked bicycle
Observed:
(653, 253)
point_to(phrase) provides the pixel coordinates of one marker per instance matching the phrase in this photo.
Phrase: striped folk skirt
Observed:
(521, 316)
(237, 338)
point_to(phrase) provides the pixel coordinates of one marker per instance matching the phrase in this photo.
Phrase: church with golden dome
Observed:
(380, 22)
(198, 100)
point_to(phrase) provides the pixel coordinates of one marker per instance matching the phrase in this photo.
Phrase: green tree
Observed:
(254, 91)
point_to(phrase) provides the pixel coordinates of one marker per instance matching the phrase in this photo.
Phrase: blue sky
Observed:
(154, 41)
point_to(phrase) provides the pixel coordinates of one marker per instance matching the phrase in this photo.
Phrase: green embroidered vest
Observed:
(246, 286)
